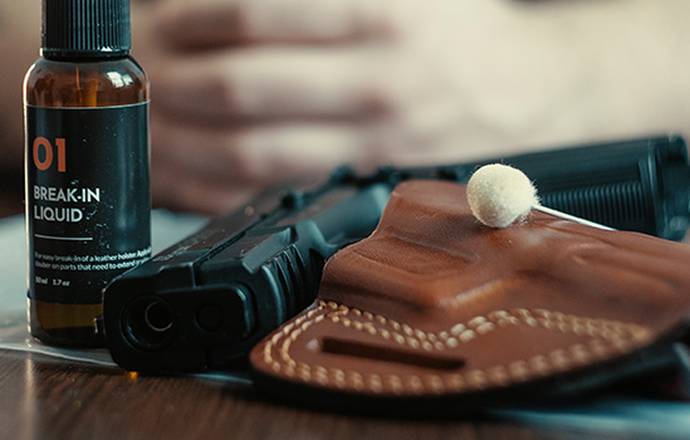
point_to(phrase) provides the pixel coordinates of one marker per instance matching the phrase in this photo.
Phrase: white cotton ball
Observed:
(499, 195)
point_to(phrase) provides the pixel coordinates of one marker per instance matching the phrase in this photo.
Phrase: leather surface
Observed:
(434, 303)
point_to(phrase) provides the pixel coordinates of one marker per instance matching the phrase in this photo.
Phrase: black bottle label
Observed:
(88, 204)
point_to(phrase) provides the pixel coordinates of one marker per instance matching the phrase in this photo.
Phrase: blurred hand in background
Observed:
(250, 92)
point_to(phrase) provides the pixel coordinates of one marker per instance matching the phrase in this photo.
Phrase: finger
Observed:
(268, 83)
(258, 154)
(175, 188)
(221, 22)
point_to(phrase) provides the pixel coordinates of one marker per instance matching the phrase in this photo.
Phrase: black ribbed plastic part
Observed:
(91, 28)
(298, 291)
(622, 204)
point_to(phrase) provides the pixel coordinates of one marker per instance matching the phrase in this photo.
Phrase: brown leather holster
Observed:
(435, 306)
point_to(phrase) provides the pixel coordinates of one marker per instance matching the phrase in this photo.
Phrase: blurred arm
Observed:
(19, 47)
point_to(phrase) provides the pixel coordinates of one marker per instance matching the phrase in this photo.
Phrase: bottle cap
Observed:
(86, 28)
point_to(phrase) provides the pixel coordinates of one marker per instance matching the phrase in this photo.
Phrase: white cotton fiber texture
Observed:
(500, 195)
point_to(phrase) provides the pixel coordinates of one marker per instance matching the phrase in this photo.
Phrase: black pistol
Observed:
(205, 301)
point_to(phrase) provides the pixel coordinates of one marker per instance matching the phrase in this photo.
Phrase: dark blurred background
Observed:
(246, 93)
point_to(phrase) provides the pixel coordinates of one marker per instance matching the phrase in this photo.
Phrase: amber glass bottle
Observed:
(86, 168)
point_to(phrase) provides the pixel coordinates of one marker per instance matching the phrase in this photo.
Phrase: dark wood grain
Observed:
(44, 399)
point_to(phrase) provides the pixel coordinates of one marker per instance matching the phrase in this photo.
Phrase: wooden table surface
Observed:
(41, 398)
